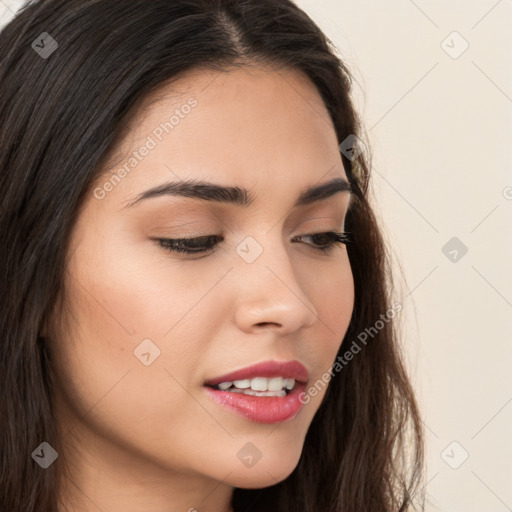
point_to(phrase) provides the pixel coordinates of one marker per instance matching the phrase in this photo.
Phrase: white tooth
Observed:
(247, 392)
(290, 383)
(275, 384)
(281, 392)
(242, 384)
(259, 384)
(224, 385)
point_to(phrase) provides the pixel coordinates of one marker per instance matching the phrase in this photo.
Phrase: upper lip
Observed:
(285, 369)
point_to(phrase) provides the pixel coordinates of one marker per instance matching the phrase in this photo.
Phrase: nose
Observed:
(270, 295)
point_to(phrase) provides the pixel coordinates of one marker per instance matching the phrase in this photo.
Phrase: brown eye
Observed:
(189, 245)
(331, 240)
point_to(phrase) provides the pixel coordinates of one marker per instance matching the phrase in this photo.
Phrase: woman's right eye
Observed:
(189, 245)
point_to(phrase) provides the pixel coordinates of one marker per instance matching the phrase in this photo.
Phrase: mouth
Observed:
(257, 386)
(267, 392)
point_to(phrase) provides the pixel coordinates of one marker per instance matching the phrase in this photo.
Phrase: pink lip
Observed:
(262, 409)
(287, 370)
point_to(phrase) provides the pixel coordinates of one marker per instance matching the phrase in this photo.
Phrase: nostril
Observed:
(266, 324)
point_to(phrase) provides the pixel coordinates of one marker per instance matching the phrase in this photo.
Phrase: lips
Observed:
(261, 409)
(287, 369)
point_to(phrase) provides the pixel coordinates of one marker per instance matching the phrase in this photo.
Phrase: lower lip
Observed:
(261, 409)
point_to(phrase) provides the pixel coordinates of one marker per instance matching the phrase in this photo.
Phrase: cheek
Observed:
(131, 290)
(331, 289)
(103, 383)
(121, 309)
(332, 293)
(124, 304)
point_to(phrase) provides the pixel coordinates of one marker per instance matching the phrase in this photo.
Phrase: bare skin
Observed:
(147, 437)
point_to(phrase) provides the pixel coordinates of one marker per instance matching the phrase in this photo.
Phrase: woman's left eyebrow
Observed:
(207, 191)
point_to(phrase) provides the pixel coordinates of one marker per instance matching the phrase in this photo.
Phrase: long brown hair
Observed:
(61, 114)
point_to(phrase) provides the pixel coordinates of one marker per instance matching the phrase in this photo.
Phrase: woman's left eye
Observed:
(207, 243)
(334, 239)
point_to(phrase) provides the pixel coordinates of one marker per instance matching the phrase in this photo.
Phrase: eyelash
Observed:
(172, 244)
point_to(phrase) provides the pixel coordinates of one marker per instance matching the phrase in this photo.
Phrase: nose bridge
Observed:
(269, 291)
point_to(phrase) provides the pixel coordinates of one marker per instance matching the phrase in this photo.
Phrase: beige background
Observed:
(439, 121)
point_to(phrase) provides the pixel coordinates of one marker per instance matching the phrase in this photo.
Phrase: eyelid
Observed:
(214, 230)
(319, 226)
(181, 230)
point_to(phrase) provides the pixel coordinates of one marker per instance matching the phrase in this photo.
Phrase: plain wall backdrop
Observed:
(434, 87)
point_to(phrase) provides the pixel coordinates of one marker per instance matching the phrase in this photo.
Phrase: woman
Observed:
(195, 291)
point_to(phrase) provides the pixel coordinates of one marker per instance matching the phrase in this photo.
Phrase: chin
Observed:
(263, 474)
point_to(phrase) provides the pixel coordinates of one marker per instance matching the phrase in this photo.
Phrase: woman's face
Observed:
(147, 327)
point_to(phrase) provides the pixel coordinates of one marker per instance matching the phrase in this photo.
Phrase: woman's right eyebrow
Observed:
(208, 191)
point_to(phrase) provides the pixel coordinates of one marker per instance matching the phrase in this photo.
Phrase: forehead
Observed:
(250, 126)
